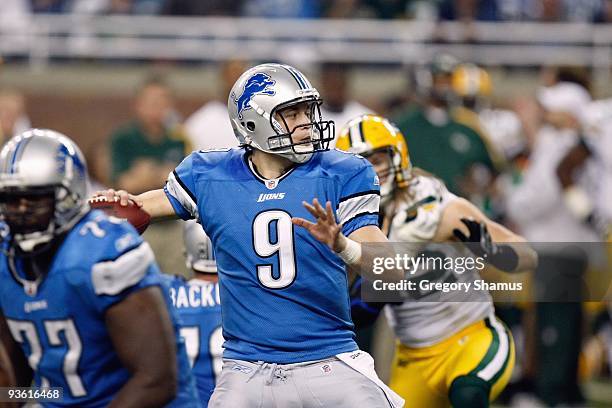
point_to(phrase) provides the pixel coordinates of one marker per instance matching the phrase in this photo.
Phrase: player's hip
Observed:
(422, 325)
(321, 383)
(484, 350)
(287, 351)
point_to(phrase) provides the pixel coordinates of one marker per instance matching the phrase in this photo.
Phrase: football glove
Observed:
(479, 242)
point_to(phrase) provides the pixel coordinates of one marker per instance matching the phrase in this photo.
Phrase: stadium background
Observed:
(77, 65)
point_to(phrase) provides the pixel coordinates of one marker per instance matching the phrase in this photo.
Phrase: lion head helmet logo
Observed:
(257, 84)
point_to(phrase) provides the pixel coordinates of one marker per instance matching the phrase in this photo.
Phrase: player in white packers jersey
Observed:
(449, 352)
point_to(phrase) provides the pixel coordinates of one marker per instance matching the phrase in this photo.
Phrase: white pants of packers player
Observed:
(344, 381)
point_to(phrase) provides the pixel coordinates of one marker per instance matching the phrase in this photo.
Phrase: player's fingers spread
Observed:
(321, 212)
(323, 215)
(329, 211)
(317, 205)
(302, 222)
(310, 209)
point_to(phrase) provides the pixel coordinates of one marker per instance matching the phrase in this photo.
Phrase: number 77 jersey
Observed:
(60, 323)
(284, 294)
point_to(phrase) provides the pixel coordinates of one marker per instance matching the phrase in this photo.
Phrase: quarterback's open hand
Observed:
(326, 229)
(117, 195)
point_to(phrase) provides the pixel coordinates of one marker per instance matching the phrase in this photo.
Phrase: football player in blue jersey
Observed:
(81, 303)
(197, 304)
(285, 217)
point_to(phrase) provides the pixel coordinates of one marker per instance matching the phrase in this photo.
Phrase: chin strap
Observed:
(27, 242)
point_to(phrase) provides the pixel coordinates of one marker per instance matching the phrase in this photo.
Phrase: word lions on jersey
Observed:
(285, 293)
(197, 303)
(270, 196)
(60, 322)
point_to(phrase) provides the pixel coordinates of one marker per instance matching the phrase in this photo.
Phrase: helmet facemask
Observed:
(36, 215)
(43, 188)
(391, 177)
(29, 214)
(381, 142)
(298, 141)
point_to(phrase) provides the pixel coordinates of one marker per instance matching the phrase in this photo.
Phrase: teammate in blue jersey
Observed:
(197, 304)
(80, 297)
(285, 217)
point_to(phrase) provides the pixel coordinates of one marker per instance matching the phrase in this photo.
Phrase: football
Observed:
(131, 212)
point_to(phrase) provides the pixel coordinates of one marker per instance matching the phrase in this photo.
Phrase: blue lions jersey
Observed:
(364, 314)
(284, 294)
(198, 306)
(59, 323)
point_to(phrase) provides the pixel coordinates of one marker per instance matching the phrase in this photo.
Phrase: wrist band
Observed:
(352, 253)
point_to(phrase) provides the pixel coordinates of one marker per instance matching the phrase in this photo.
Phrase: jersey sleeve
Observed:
(445, 196)
(126, 265)
(180, 190)
(359, 200)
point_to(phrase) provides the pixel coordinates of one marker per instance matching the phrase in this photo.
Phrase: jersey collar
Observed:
(271, 184)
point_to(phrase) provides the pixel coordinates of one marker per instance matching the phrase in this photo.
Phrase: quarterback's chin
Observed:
(304, 148)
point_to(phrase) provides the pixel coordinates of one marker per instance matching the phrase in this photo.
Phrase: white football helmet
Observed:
(259, 94)
(42, 163)
(199, 255)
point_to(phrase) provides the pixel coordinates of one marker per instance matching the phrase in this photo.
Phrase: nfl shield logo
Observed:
(30, 288)
(271, 184)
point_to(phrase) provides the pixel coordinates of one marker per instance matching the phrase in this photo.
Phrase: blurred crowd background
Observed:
(508, 101)
(593, 11)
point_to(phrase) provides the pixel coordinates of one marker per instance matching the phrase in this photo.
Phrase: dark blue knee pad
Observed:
(469, 391)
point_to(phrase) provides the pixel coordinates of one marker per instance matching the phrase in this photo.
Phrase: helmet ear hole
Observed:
(250, 125)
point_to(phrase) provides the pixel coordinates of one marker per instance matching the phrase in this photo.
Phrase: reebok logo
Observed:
(270, 196)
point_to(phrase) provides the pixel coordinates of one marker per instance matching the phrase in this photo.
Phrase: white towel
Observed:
(363, 363)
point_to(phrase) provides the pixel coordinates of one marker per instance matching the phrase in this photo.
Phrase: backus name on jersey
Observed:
(195, 296)
(270, 196)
